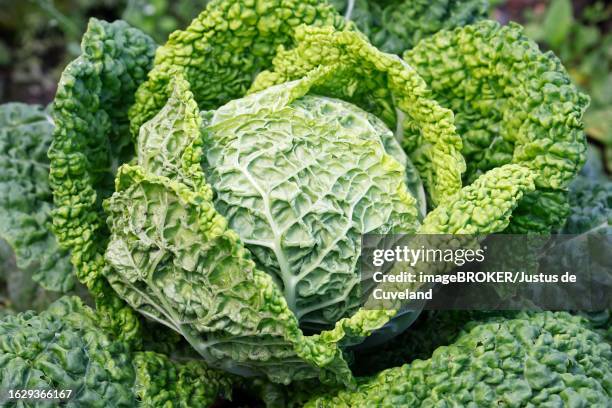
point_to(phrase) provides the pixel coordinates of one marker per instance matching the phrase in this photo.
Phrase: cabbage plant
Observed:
(219, 184)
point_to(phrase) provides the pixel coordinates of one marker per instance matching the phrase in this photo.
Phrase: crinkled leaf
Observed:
(512, 104)
(89, 142)
(397, 25)
(161, 381)
(547, 357)
(63, 348)
(483, 207)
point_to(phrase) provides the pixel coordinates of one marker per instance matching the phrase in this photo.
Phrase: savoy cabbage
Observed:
(216, 188)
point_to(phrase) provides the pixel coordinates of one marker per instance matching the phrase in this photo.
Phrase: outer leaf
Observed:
(161, 382)
(224, 48)
(175, 260)
(539, 212)
(90, 140)
(300, 178)
(513, 104)
(397, 25)
(63, 348)
(25, 196)
(552, 358)
(431, 330)
(385, 86)
(590, 198)
(485, 206)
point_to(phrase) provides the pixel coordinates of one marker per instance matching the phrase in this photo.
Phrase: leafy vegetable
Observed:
(252, 153)
(176, 259)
